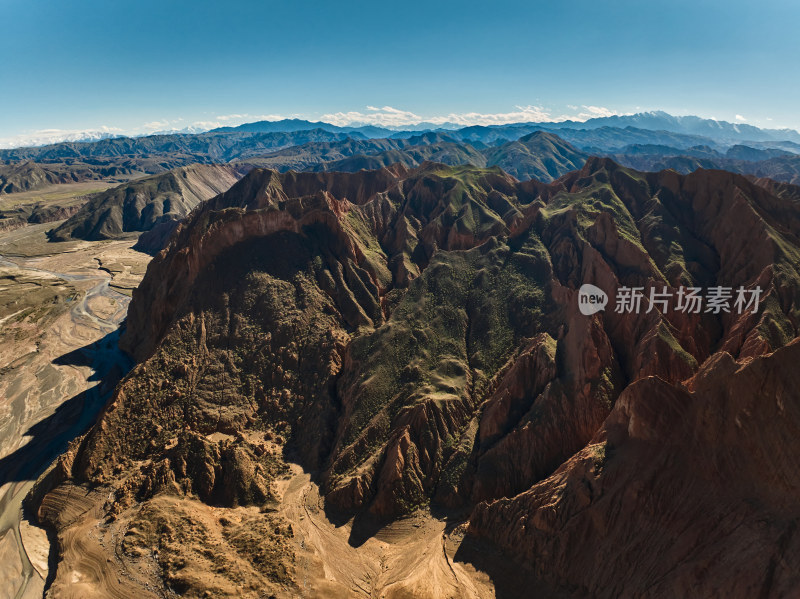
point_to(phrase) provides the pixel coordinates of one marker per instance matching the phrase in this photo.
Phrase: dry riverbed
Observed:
(60, 307)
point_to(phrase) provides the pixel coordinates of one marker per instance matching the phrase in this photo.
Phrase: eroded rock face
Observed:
(415, 337)
(684, 491)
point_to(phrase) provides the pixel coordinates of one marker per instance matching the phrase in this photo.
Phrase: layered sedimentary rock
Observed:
(415, 338)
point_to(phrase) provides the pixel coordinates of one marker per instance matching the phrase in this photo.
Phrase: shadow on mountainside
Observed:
(509, 579)
(51, 435)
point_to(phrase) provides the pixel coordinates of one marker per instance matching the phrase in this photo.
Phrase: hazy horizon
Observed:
(385, 117)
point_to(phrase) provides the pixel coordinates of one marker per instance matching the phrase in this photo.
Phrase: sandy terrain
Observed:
(63, 193)
(411, 558)
(59, 313)
(406, 559)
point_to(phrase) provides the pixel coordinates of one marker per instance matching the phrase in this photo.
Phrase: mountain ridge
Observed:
(654, 121)
(146, 203)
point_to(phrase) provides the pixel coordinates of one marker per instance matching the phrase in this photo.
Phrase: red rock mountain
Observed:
(414, 337)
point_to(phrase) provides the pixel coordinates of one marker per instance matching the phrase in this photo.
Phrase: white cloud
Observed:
(205, 125)
(534, 114)
(42, 137)
(740, 118)
(173, 126)
(249, 118)
(156, 125)
(179, 125)
(585, 112)
(48, 136)
(384, 116)
(592, 112)
(388, 116)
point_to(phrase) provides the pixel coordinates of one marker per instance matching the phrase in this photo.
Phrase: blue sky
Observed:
(151, 65)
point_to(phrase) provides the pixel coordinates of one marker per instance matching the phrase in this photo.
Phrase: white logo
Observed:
(591, 299)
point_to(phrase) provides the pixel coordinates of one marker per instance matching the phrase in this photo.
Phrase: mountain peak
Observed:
(536, 135)
(596, 164)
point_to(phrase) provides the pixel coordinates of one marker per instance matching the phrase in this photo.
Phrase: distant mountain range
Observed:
(295, 125)
(201, 147)
(691, 125)
(543, 151)
(598, 135)
(720, 133)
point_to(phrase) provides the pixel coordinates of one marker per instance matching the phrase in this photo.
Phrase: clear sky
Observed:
(145, 65)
